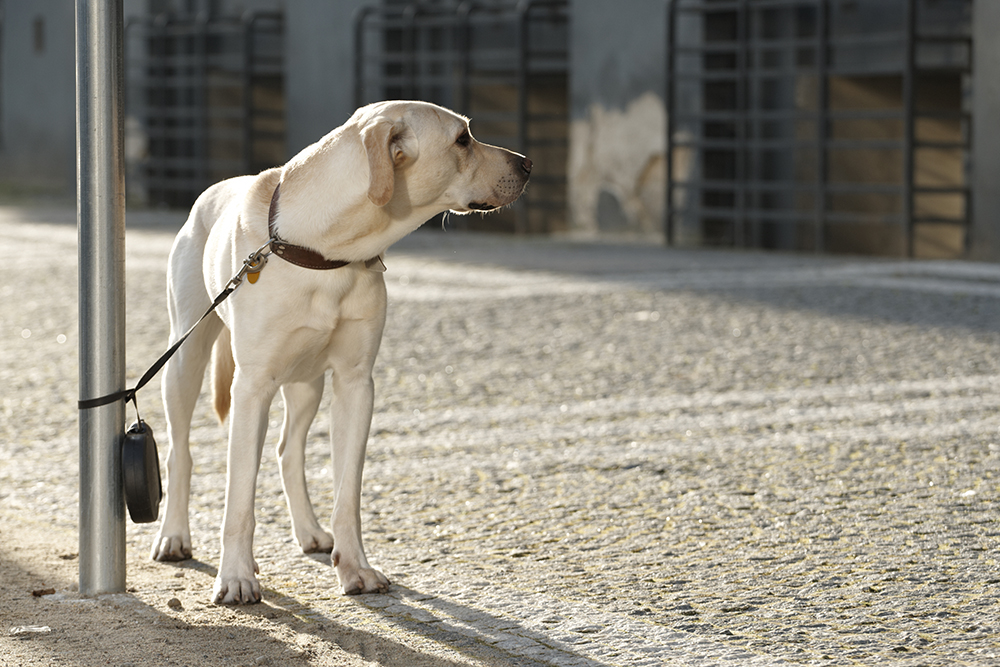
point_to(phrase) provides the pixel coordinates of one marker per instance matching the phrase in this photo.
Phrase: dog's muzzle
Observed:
(511, 188)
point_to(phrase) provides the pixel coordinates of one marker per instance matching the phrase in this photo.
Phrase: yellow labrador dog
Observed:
(317, 305)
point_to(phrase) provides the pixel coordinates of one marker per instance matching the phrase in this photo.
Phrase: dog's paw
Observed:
(236, 590)
(170, 548)
(316, 541)
(362, 580)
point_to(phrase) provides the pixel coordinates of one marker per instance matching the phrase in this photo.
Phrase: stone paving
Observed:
(598, 454)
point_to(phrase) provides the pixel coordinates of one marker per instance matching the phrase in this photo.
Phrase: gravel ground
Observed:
(583, 454)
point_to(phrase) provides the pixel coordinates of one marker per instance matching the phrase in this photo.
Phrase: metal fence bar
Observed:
(736, 108)
(521, 212)
(453, 56)
(360, 22)
(247, 112)
(101, 220)
(670, 94)
(745, 105)
(909, 106)
(822, 124)
(199, 133)
(204, 91)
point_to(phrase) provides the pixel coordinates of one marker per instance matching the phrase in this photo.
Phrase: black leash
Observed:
(129, 394)
(141, 483)
(140, 462)
(251, 265)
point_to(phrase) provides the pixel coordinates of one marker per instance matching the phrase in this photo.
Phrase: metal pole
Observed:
(101, 216)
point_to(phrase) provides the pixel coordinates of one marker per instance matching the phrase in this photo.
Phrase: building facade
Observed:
(787, 125)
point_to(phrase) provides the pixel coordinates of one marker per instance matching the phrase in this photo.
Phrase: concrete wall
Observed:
(319, 61)
(319, 68)
(618, 122)
(985, 137)
(616, 91)
(38, 98)
(38, 82)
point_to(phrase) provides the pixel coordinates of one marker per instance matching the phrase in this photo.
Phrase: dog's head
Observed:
(422, 155)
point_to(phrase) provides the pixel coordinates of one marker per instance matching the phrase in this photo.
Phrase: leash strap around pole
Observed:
(129, 394)
(251, 265)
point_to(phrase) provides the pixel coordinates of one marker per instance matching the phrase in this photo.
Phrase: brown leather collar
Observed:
(296, 254)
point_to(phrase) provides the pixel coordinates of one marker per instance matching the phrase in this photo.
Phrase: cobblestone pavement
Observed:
(595, 454)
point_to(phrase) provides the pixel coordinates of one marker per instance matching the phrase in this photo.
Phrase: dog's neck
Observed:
(296, 254)
(324, 203)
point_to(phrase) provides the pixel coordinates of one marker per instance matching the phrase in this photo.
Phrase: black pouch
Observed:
(141, 468)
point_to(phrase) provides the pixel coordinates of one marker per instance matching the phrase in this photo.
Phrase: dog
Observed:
(340, 203)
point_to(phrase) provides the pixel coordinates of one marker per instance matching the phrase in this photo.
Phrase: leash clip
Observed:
(252, 266)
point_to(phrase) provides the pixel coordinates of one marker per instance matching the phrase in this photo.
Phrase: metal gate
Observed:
(817, 125)
(204, 100)
(504, 65)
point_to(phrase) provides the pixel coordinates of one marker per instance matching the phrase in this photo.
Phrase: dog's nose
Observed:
(526, 165)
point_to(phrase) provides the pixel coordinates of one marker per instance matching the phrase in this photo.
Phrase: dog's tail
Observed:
(223, 369)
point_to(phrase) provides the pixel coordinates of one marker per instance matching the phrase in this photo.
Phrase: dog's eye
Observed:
(464, 139)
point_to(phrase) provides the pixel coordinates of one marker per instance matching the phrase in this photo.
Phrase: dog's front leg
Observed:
(351, 412)
(236, 582)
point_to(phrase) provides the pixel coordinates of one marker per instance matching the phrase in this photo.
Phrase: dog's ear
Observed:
(383, 143)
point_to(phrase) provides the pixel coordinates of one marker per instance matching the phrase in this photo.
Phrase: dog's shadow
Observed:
(321, 557)
(466, 630)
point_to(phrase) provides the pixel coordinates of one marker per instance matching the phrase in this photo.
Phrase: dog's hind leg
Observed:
(181, 385)
(187, 299)
(301, 403)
